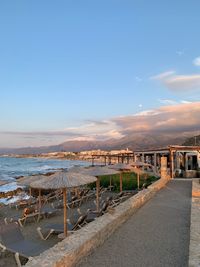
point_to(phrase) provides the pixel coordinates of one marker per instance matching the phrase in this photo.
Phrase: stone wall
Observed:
(194, 251)
(71, 250)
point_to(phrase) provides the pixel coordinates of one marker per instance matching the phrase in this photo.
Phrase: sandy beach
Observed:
(30, 228)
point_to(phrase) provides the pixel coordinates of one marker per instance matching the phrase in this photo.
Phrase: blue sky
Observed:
(71, 69)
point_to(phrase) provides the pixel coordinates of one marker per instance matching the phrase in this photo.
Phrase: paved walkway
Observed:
(156, 236)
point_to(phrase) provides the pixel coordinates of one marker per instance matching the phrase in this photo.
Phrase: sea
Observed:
(12, 168)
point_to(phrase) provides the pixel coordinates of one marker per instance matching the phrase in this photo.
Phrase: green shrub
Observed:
(129, 181)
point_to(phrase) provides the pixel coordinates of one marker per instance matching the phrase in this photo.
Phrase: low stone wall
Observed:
(194, 251)
(69, 252)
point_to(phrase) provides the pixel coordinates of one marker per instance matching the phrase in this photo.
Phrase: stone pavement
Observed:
(157, 235)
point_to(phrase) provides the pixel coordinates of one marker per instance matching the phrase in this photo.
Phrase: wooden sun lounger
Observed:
(11, 239)
(59, 228)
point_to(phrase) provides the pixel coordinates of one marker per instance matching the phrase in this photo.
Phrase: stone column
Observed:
(155, 162)
(163, 170)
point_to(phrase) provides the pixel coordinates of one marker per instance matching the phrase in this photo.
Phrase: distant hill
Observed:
(133, 142)
(192, 141)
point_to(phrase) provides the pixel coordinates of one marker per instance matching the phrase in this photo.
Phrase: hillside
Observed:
(133, 142)
(192, 141)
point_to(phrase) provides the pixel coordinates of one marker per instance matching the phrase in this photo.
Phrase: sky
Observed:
(94, 70)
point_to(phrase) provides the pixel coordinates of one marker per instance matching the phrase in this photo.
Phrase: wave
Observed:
(42, 168)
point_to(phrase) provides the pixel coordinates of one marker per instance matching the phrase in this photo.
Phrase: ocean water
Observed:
(11, 168)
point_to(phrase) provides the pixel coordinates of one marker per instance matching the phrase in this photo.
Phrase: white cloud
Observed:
(138, 79)
(185, 102)
(168, 101)
(173, 102)
(180, 53)
(196, 61)
(163, 75)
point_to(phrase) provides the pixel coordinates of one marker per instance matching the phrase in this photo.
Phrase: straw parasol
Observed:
(63, 180)
(97, 171)
(27, 180)
(136, 169)
(121, 167)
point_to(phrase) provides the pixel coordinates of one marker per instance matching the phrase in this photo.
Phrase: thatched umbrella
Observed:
(136, 169)
(97, 171)
(121, 167)
(27, 180)
(63, 180)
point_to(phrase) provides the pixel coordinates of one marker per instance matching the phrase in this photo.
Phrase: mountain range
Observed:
(133, 142)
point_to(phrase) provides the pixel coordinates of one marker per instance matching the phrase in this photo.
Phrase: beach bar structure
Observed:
(183, 161)
(107, 159)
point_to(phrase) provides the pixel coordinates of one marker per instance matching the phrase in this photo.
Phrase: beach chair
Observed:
(59, 228)
(46, 212)
(92, 215)
(25, 203)
(56, 195)
(27, 215)
(119, 198)
(11, 239)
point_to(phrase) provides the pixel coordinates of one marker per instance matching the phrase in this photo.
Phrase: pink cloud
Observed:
(181, 117)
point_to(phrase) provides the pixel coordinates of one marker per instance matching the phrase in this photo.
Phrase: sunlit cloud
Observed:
(181, 117)
(178, 83)
(175, 117)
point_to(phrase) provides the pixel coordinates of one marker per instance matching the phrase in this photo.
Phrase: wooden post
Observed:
(110, 183)
(138, 180)
(65, 210)
(40, 200)
(30, 192)
(97, 192)
(120, 180)
(171, 164)
(155, 162)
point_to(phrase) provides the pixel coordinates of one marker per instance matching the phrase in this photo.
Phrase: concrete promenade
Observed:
(157, 235)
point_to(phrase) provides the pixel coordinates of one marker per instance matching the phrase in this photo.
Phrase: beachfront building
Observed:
(183, 161)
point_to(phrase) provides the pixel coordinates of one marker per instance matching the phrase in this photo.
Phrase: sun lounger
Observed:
(47, 212)
(23, 203)
(92, 215)
(59, 228)
(11, 239)
(120, 198)
(52, 196)
(27, 215)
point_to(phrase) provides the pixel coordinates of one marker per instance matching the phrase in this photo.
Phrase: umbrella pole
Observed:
(65, 210)
(110, 183)
(39, 200)
(138, 180)
(97, 192)
(30, 193)
(120, 181)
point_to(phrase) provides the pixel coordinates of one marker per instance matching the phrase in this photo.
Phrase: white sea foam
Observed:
(13, 199)
(41, 168)
(9, 187)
